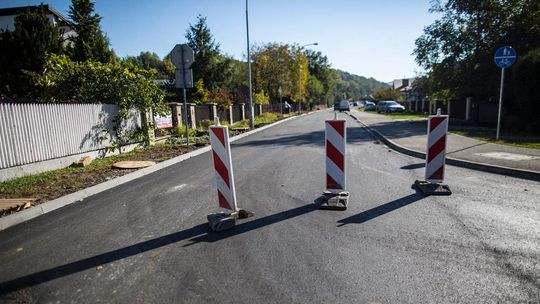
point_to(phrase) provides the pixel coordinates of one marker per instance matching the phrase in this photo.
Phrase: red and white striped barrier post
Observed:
(226, 192)
(435, 156)
(335, 144)
(221, 156)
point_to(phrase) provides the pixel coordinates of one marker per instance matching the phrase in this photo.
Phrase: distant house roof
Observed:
(13, 11)
(403, 85)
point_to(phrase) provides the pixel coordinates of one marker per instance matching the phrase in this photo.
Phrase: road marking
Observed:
(508, 156)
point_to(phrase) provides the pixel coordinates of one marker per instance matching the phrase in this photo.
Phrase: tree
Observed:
(321, 69)
(90, 42)
(387, 94)
(272, 68)
(261, 98)
(457, 49)
(221, 97)
(164, 68)
(315, 89)
(25, 50)
(200, 94)
(209, 66)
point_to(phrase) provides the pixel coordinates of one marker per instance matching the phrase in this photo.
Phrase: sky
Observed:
(363, 37)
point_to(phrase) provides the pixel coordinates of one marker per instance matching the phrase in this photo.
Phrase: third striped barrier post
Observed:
(435, 156)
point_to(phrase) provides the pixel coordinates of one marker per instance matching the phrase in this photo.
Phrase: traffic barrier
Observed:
(226, 192)
(435, 156)
(335, 144)
(221, 155)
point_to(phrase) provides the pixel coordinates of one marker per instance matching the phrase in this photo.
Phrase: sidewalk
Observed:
(412, 135)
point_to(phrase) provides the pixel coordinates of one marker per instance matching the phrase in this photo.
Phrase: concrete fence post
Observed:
(192, 117)
(147, 120)
(192, 123)
(229, 112)
(259, 108)
(212, 109)
(243, 111)
(176, 110)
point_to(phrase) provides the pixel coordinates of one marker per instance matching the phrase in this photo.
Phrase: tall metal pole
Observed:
(500, 105)
(299, 86)
(251, 125)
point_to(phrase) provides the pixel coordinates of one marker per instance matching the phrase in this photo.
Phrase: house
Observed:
(7, 19)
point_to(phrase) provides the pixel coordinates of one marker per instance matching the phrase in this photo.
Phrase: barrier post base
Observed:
(333, 200)
(433, 188)
(223, 220)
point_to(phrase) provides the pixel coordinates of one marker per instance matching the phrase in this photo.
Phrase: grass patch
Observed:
(509, 139)
(258, 121)
(406, 115)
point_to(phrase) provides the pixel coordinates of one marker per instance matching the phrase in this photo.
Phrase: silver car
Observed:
(389, 106)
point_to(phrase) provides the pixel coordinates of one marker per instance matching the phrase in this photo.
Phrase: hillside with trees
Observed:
(356, 87)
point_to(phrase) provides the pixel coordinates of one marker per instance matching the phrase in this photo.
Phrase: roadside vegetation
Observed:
(522, 140)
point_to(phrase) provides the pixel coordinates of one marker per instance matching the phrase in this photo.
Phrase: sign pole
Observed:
(500, 105)
(186, 118)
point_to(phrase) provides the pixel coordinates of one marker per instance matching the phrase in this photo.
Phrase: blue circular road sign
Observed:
(505, 57)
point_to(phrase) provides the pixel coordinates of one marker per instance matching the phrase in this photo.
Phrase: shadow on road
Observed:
(413, 166)
(196, 234)
(382, 210)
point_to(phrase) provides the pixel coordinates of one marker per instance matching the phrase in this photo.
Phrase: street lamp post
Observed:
(300, 77)
(251, 125)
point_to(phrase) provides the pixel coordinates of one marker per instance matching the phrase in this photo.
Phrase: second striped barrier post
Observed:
(336, 195)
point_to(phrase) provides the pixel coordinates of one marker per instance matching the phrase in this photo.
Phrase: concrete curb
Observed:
(30, 213)
(519, 173)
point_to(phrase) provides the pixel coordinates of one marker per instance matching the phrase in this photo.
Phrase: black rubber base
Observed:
(432, 188)
(334, 201)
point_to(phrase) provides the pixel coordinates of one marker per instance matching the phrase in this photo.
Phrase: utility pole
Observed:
(251, 125)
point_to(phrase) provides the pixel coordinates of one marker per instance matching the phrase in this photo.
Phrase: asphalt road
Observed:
(147, 241)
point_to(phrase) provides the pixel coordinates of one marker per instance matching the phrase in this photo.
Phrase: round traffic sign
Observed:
(505, 57)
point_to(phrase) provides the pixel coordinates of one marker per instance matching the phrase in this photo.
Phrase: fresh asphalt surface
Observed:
(147, 241)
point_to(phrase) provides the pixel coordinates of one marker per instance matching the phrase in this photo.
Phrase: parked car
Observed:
(369, 106)
(389, 106)
(336, 106)
(344, 106)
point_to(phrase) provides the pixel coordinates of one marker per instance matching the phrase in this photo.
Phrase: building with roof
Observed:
(7, 19)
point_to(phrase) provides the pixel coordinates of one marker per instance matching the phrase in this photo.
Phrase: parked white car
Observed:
(389, 106)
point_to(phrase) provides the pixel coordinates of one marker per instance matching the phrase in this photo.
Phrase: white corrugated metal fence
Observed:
(36, 132)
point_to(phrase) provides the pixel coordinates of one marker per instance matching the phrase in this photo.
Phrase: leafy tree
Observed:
(209, 66)
(220, 96)
(272, 68)
(90, 42)
(200, 94)
(121, 83)
(457, 49)
(164, 68)
(388, 94)
(261, 98)
(25, 50)
(315, 89)
(320, 68)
